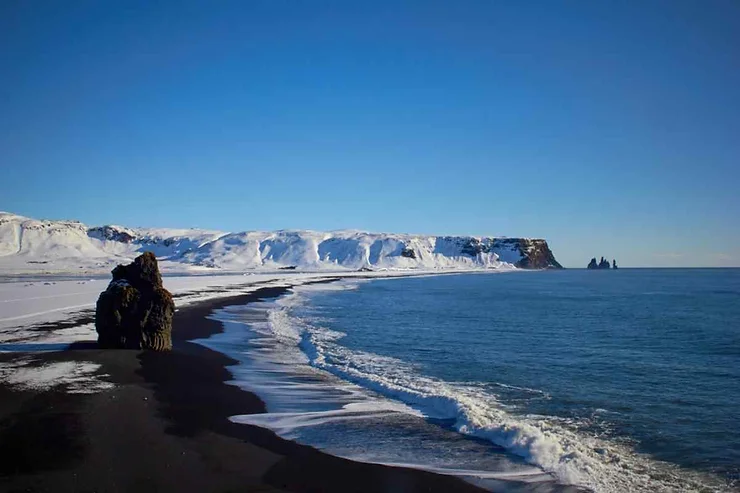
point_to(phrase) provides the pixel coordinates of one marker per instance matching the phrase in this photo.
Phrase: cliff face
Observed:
(25, 242)
(536, 253)
(525, 253)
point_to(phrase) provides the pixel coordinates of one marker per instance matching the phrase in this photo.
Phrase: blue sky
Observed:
(609, 128)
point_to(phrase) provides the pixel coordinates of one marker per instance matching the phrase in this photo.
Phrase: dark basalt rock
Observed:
(536, 254)
(474, 246)
(602, 264)
(135, 311)
(110, 233)
(408, 253)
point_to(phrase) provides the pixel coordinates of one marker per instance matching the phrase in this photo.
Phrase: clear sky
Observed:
(607, 127)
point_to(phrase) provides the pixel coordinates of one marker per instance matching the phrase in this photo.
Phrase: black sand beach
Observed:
(164, 427)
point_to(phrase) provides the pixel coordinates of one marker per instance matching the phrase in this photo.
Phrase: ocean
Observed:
(572, 380)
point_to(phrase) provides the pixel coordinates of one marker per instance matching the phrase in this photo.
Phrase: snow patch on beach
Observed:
(77, 377)
(45, 310)
(22, 338)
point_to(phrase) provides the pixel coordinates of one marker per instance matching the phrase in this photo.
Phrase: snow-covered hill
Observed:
(30, 245)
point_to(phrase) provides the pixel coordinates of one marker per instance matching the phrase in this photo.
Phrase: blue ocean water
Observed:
(623, 380)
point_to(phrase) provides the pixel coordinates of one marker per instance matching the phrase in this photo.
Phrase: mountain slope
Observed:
(32, 245)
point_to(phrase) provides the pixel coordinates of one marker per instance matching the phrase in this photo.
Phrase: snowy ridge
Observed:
(62, 246)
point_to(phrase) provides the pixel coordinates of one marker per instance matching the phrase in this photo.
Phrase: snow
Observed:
(26, 304)
(79, 377)
(509, 253)
(53, 247)
(52, 272)
(52, 313)
(29, 309)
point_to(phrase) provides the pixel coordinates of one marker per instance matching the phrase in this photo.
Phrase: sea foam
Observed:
(554, 445)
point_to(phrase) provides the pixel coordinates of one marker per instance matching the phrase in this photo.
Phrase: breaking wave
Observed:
(560, 446)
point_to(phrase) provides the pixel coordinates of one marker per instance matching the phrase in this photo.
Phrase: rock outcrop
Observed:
(135, 311)
(112, 233)
(536, 254)
(602, 264)
(528, 253)
(408, 253)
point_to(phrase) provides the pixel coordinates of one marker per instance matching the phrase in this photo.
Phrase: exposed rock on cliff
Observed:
(112, 233)
(536, 253)
(524, 253)
(408, 253)
(135, 311)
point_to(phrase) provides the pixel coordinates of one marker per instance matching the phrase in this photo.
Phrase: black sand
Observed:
(165, 428)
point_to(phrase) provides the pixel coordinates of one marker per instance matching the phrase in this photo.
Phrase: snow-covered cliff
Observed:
(32, 245)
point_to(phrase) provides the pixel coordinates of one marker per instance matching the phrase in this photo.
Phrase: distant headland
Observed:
(603, 264)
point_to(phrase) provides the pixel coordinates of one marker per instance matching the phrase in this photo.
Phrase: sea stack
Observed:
(602, 264)
(135, 311)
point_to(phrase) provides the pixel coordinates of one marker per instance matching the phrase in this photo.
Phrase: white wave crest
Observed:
(553, 444)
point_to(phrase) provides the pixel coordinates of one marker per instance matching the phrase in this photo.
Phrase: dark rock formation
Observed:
(135, 312)
(535, 253)
(111, 233)
(408, 252)
(474, 246)
(602, 264)
(614, 264)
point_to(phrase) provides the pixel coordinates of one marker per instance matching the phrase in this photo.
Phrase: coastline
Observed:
(165, 427)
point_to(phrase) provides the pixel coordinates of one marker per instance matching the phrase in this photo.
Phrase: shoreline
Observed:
(165, 427)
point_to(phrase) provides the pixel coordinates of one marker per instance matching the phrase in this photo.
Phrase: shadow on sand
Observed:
(32, 347)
